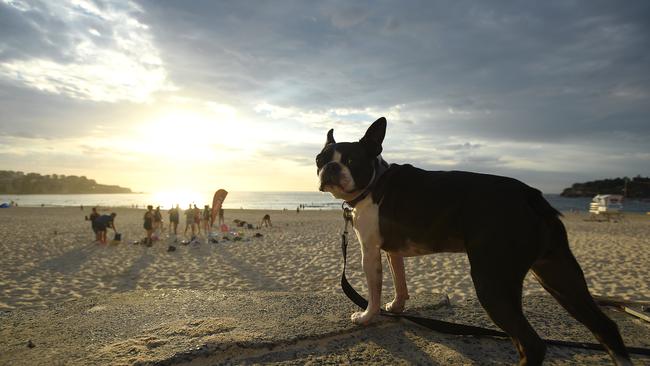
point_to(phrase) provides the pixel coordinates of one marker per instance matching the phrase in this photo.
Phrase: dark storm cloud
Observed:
(537, 71)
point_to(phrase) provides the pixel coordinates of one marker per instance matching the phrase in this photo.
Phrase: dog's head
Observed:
(346, 168)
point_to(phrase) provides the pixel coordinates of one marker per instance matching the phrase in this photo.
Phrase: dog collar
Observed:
(379, 169)
(353, 202)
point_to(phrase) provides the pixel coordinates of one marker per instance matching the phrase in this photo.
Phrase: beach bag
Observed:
(117, 237)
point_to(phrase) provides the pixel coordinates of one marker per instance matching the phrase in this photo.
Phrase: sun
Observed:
(179, 150)
(170, 198)
(183, 134)
(183, 127)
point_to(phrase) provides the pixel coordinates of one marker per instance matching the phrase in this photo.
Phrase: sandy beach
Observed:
(49, 258)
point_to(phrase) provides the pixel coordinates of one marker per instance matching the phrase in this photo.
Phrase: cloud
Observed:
(346, 16)
(540, 71)
(84, 50)
(533, 89)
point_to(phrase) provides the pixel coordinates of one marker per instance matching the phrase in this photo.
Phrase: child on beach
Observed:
(148, 224)
(174, 218)
(103, 223)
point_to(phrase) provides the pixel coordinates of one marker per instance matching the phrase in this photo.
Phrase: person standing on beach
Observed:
(148, 224)
(173, 218)
(189, 219)
(93, 216)
(103, 223)
(206, 219)
(221, 220)
(157, 220)
(197, 219)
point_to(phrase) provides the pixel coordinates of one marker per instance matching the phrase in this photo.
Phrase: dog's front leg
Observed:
(396, 264)
(371, 261)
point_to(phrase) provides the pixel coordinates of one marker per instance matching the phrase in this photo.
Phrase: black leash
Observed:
(441, 325)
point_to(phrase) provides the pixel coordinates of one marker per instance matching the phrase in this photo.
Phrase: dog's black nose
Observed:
(329, 175)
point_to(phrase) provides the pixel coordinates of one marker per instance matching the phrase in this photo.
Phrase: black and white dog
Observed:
(406, 211)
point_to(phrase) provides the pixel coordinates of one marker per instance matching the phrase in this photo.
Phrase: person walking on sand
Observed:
(173, 219)
(93, 216)
(157, 220)
(148, 224)
(189, 220)
(103, 223)
(206, 219)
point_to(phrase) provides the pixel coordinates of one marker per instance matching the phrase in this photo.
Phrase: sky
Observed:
(174, 95)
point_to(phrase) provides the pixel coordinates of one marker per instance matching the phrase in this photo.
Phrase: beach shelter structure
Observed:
(606, 207)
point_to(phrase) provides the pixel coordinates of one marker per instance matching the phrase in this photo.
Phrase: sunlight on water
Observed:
(249, 200)
(165, 199)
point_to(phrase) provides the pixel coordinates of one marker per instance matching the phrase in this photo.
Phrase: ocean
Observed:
(251, 200)
(246, 200)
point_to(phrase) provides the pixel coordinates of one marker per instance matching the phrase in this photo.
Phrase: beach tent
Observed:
(217, 201)
(5, 205)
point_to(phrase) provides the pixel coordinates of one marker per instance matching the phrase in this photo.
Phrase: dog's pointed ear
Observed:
(376, 131)
(330, 137)
(375, 136)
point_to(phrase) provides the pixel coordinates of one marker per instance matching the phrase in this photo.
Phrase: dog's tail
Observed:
(540, 205)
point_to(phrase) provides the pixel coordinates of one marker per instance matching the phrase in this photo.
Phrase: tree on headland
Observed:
(12, 182)
(637, 187)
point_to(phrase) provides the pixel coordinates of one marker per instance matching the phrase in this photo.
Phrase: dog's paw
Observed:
(362, 317)
(395, 306)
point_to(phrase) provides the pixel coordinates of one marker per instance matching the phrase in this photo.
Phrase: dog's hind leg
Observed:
(500, 294)
(560, 274)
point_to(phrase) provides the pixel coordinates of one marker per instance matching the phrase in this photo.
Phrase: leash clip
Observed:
(347, 217)
(347, 214)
